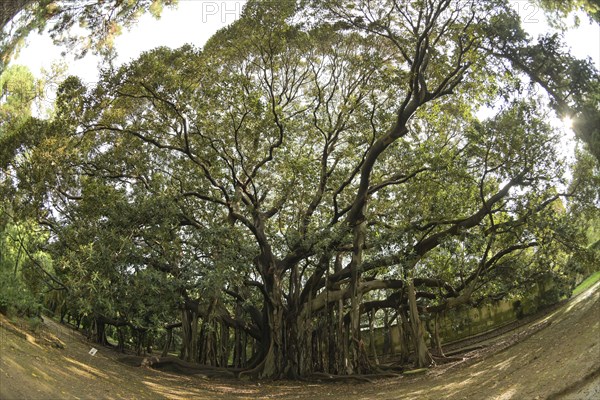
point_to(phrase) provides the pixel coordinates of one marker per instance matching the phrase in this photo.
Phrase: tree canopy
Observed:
(103, 21)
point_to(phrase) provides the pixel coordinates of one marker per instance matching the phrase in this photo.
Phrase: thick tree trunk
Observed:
(273, 366)
(189, 329)
(244, 350)
(404, 329)
(271, 357)
(138, 334)
(345, 332)
(372, 337)
(299, 349)
(423, 357)
(340, 346)
(358, 360)
(100, 331)
(9, 9)
(333, 342)
(438, 341)
(213, 355)
(209, 336)
(224, 346)
(185, 335)
(387, 334)
(295, 327)
(240, 341)
(168, 341)
(205, 349)
(194, 337)
(237, 348)
(121, 339)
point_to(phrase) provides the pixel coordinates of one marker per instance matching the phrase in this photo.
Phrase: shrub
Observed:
(15, 297)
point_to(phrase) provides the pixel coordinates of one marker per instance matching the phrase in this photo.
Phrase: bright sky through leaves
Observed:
(194, 21)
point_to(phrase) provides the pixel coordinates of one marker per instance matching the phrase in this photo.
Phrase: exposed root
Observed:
(383, 375)
(176, 365)
(392, 367)
(446, 359)
(319, 376)
(416, 371)
(363, 378)
(253, 372)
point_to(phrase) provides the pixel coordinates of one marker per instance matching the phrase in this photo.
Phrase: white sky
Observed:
(192, 21)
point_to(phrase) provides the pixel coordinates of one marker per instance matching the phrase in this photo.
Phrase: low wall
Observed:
(467, 321)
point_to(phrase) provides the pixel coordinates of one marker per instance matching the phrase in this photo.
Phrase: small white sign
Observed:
(93, 351)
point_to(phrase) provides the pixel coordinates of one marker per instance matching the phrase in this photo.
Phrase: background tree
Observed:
(559, 11)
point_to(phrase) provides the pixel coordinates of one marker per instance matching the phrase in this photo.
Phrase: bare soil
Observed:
(556, 357)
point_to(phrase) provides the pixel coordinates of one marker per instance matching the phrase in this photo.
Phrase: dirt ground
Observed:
(556, 357)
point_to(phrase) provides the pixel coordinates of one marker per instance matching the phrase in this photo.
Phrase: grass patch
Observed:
(587, 283)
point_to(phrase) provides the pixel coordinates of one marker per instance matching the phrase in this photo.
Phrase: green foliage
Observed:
(102, 20)
(18, 295)
(586, 261)
(34, 323)
(587, 283)
(15, 297)
(559, 11)
(17, 91)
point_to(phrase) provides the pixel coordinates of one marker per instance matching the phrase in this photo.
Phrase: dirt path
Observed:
(557, 357)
